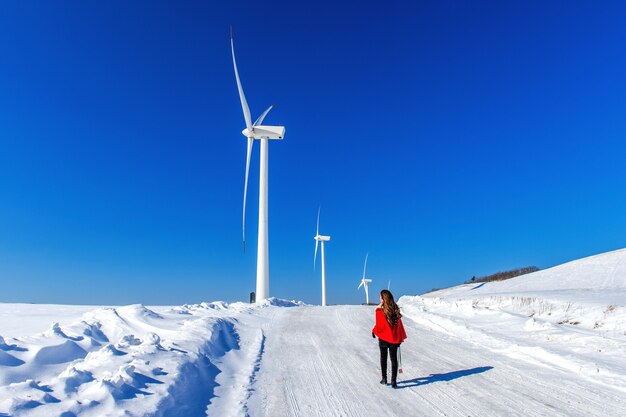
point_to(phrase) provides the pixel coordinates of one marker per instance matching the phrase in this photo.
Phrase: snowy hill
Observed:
(572, 316)
(603, 274)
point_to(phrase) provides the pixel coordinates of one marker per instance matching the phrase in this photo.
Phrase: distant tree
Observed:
(473, 278)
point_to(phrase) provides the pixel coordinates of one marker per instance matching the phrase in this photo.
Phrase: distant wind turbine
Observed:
(319, 238)
(261, 132)
(365, 282)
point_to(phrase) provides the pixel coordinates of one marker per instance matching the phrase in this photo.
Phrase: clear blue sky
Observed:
(447, 138)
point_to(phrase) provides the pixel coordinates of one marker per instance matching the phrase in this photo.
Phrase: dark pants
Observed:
(393, 354)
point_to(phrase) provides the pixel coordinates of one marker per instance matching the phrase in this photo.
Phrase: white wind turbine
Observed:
(365, 282)
(319, 238)
(261, 132)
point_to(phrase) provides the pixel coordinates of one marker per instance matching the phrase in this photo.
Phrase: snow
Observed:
(129, 360)
(571, 317)
(323, 362)
(600, 278)
(548, 343)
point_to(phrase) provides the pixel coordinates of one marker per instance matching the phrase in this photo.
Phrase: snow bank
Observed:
(130, 360)
(572, 316)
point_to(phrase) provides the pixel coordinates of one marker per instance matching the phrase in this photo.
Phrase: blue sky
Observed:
(447, 139)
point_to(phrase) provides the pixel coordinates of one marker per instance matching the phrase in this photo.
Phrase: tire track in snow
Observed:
(238, 370)
(255, 371)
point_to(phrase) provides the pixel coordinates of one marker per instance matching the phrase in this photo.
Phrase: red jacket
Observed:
(382, 329)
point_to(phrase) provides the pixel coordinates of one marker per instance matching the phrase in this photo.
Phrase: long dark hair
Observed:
(390, 308)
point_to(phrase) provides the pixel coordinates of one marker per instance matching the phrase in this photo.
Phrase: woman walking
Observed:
(390, 332)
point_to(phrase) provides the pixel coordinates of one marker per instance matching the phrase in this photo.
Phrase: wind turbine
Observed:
(365, 282)
(263, 133)
(319, 238)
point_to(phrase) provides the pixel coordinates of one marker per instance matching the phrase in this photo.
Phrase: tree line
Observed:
(501, 276)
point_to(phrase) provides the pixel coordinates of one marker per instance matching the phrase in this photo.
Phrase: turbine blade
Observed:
(242, 97)
(365, 266)
(315, 257)
(245, 192)
(360, 285)
(317, 230)
(262, 116)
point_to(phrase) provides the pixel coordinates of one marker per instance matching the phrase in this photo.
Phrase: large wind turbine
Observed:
(319, 238)
(365, 282)
(261, 132)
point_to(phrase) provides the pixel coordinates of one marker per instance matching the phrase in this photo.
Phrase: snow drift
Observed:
(130, 360)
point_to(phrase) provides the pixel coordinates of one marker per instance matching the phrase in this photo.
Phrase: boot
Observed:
(394, 384)
(384, 380)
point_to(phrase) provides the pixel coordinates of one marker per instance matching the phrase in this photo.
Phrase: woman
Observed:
(390, 332)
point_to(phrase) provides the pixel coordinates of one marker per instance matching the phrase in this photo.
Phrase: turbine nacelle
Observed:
(320, 238)
(265, 132)
(364, 281)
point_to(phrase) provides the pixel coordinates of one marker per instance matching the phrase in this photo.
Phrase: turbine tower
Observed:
(365, 282)
(263, 133)
(319, 238)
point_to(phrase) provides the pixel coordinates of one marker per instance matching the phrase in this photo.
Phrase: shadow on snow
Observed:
(425, 380)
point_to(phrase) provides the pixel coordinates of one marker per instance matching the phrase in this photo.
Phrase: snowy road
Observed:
(323, 362)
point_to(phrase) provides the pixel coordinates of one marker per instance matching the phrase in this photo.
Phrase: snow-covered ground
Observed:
(570, 317)
(549, 343)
